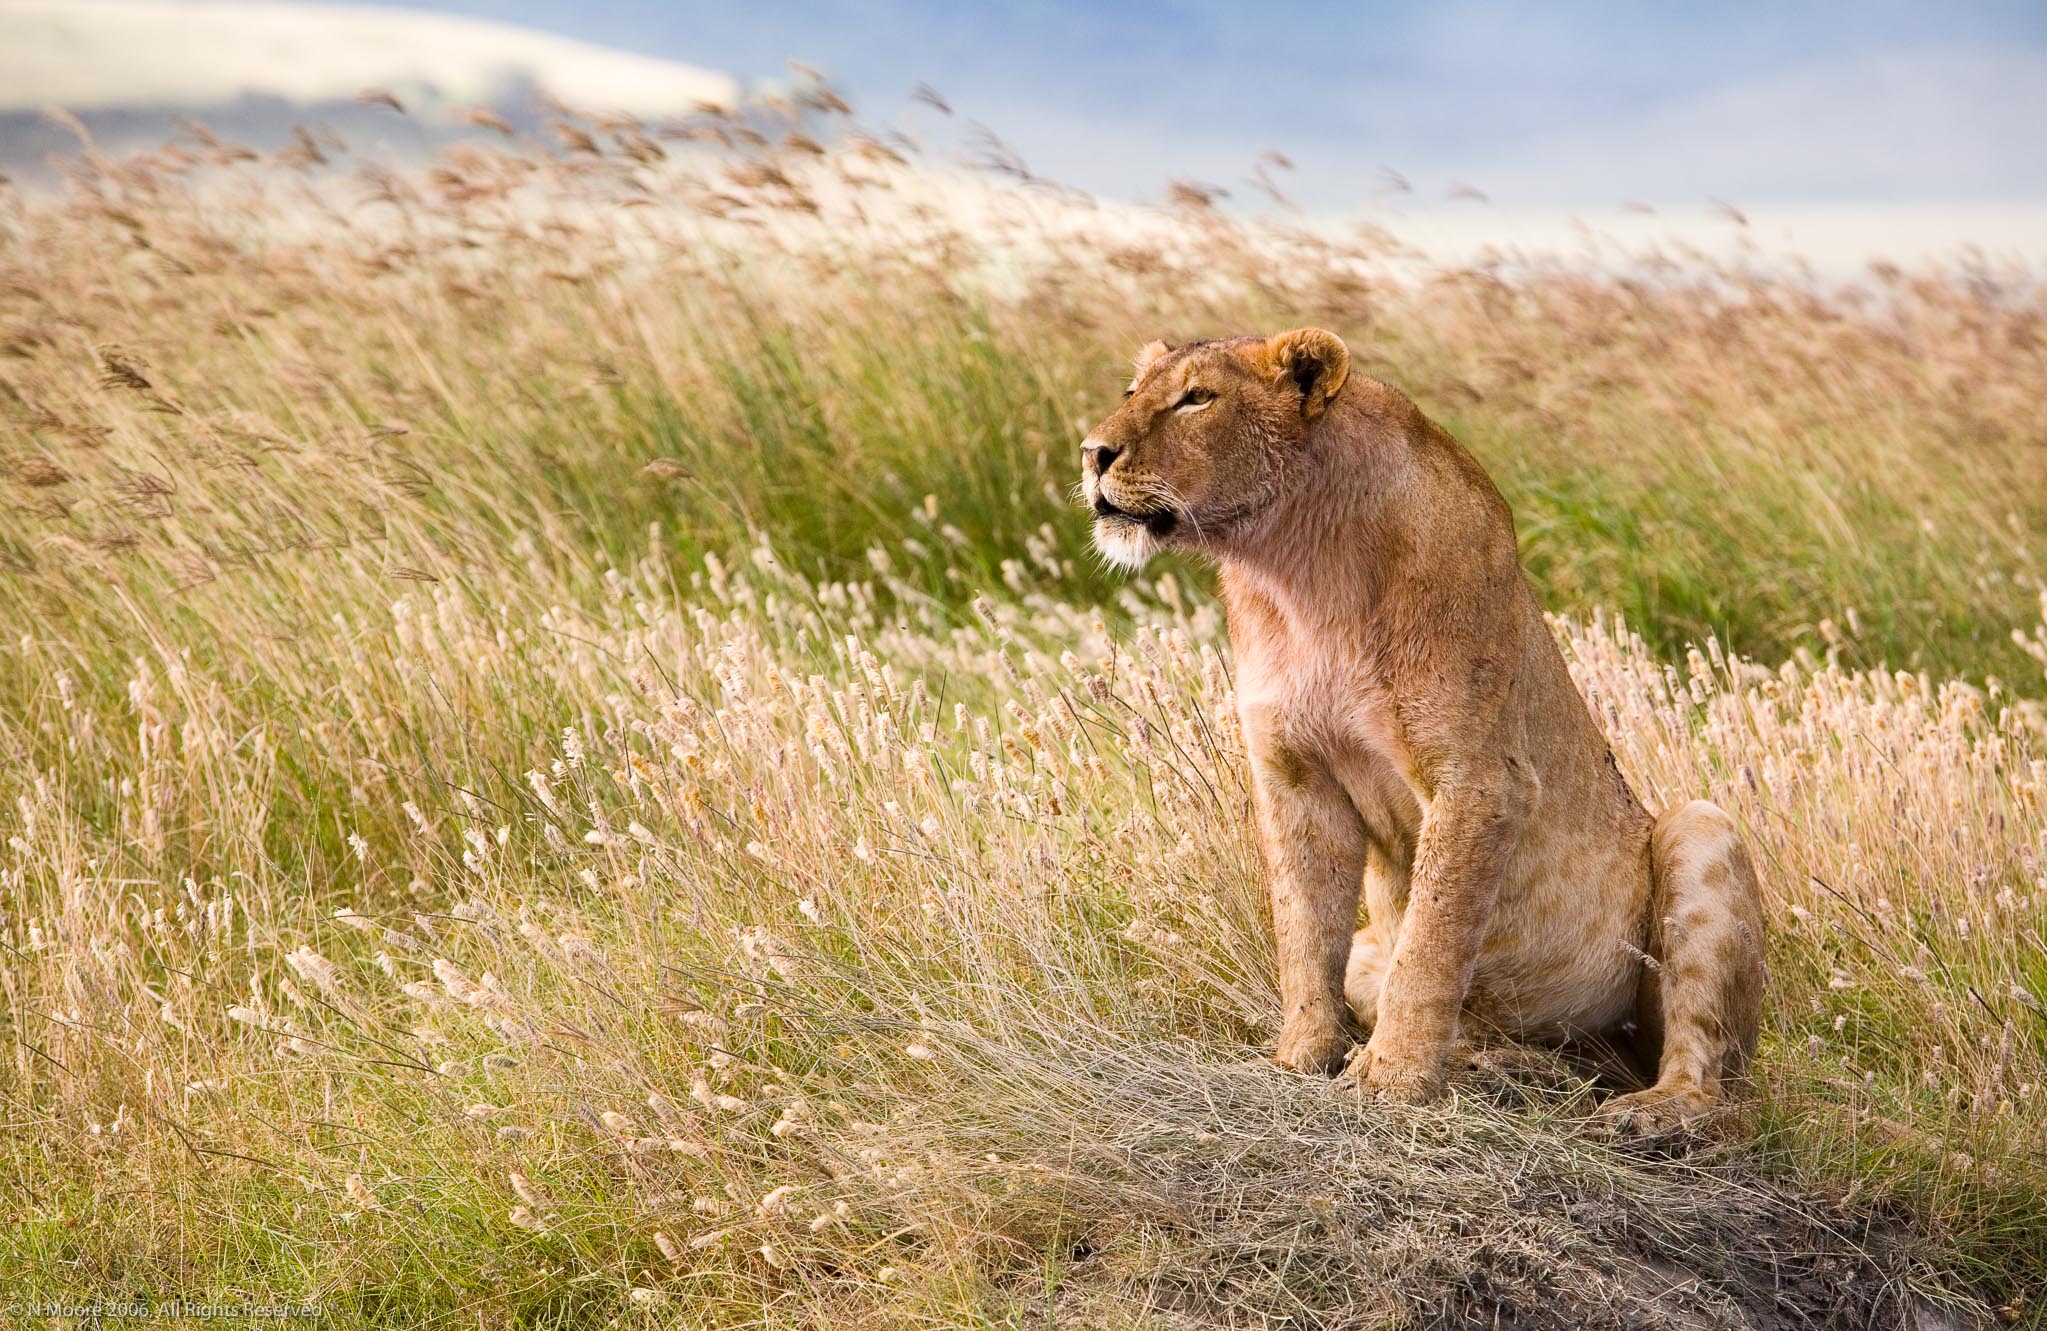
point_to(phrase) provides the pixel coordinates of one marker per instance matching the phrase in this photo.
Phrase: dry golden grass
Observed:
(567, 763)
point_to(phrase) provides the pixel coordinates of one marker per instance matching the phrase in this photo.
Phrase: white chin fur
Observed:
(1125, 544)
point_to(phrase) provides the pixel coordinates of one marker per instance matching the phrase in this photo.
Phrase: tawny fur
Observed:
(1415, 737)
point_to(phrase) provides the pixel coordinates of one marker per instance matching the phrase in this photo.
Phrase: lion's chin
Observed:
(1124, 543)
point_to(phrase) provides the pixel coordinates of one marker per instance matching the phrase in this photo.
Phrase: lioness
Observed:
(1413, 730)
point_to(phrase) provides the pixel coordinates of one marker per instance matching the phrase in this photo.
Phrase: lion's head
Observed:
(1205, 439)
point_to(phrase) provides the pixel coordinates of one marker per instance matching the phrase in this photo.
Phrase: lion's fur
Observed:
(1414, 732)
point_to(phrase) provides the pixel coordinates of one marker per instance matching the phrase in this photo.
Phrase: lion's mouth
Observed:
(1158, 524)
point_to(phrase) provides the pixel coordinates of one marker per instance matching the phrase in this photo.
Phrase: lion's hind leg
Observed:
(1701, 998)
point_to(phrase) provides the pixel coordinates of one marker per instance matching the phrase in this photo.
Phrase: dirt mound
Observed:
(1190, 1195)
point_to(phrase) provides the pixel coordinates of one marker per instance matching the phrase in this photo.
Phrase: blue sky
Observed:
(1537, 104)
(1555, 109)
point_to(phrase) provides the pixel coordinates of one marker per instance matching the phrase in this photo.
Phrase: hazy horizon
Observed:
(1470, 123)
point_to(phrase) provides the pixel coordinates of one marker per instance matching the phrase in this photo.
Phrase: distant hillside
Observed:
(131, 71)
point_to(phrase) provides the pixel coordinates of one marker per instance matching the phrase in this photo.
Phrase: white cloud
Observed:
(84, 55)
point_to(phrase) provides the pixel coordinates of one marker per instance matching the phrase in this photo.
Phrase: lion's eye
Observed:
(1192, 398)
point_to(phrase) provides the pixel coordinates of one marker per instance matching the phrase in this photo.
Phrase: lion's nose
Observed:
(1100, 456)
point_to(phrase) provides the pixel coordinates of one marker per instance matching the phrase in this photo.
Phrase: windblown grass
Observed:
(458, 869)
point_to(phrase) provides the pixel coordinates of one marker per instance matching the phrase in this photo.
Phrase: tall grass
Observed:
(565, 759)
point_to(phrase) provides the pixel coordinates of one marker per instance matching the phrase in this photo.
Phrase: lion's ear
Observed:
(1316, 361)
(1149, 354)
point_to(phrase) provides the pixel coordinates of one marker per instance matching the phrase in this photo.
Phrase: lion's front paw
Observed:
(1658, 1112)
(1408, 1073)
(1312, 1047)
